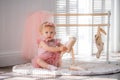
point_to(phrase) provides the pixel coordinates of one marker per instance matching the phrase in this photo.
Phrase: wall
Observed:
(12, 17)
(116, 26)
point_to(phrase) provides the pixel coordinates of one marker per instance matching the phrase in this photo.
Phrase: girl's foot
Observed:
(76, 68)
(51, 67)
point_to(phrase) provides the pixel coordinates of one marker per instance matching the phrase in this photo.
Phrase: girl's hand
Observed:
(63, 48)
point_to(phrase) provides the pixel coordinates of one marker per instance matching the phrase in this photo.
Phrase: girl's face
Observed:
(48, 33)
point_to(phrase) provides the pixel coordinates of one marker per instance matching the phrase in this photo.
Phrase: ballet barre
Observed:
(107, 14)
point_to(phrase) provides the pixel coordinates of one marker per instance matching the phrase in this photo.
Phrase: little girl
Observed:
(49, 49)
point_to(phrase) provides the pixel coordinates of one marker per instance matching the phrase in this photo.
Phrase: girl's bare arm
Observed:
(52, 49)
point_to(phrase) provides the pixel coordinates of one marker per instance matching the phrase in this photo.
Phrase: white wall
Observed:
(12, 17)
(116, 26)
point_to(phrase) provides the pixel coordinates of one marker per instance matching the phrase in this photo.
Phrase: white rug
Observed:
(90, 68)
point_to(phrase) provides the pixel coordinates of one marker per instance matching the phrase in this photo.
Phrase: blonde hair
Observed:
(46, 24)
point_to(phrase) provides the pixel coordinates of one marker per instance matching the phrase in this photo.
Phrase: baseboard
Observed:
(11, 58)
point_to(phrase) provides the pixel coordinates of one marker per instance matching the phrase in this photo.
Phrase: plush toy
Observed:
(98, 41)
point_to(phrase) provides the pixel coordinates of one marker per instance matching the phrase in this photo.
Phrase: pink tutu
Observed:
(49, 57)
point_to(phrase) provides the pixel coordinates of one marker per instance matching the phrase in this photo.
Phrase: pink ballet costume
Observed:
(51, 58)
(31, 33)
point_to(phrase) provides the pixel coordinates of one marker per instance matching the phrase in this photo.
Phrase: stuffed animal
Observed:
(98, 41)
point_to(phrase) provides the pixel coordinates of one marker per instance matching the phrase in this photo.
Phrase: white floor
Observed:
(113, 57)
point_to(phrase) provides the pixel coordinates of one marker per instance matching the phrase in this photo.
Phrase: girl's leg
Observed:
(59, 63)
(45, 65)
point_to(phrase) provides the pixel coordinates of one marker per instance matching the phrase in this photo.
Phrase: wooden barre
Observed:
(67, 25)
(89, 14)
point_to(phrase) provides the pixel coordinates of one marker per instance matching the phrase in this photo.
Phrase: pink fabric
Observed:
(49, 57)
(31, 33)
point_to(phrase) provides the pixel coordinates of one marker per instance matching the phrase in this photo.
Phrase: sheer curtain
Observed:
(84, 35)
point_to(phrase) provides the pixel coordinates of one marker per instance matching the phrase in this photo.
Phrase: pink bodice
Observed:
(49, 57)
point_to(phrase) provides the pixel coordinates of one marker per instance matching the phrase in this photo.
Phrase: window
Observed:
(85, 35)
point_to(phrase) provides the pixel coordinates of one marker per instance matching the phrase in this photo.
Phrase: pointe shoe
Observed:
(69, 46)
(70, 43)
(99, 52)
(98, 55)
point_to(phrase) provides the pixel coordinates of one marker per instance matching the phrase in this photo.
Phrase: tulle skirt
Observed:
(48, 57)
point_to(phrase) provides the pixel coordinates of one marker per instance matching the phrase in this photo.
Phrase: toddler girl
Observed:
(49, 49)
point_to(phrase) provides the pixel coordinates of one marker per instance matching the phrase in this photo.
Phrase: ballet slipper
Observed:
(101, 30)
(70, 43)
(98, 41)
(69, 46)
(100, 48)
(73, 56)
